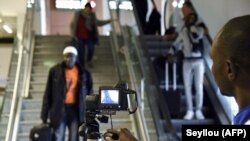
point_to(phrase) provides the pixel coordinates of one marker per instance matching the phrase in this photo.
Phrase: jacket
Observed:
(91, 23)
(53, 99)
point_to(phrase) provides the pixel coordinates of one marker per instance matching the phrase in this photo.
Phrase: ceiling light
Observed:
(93, 4)
(7, 29)
(174, 4)
(124, 5)
(70, 4)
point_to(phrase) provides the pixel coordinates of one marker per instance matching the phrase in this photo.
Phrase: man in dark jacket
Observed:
(64, 98)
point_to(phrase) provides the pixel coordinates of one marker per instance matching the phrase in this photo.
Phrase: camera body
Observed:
(106, 102)
(108, 99)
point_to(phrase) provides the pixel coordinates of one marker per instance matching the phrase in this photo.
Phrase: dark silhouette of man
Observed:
(64, 98)
(230, 53)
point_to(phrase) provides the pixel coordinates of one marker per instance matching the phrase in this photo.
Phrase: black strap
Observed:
(189, 37)
(191, 41)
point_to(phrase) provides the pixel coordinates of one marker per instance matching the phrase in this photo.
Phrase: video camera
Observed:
(106, 102)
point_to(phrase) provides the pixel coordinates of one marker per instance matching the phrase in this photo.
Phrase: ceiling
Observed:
(10, 12)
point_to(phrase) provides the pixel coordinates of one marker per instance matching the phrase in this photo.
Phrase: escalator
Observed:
(152, 46)
(133, 52)
(40, 53)
(213, 114)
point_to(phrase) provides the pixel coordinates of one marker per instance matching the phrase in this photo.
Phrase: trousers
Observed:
(193, 71)
(86, 51)
(70, 120)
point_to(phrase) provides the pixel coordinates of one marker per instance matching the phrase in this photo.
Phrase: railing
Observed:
(7, 96)
(125, 70)
(23, 66)
(136, 66)
(158, 105)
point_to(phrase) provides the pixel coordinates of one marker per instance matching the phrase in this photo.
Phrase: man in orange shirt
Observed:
(64, 98)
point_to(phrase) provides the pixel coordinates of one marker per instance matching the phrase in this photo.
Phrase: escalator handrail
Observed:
(23, 49)
(160, 100)
(9, 74)
(142, 134)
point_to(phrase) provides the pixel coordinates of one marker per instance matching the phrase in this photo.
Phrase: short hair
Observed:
(233, 40)
(88, 5)
(189, 4)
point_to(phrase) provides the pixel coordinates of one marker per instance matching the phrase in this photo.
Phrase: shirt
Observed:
(81, 30)
(183, 42)
(242, 117)
(71, 76)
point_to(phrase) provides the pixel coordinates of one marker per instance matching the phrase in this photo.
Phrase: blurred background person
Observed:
(84, 30)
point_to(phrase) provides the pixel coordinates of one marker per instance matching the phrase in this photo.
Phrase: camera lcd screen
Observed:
(109, 96)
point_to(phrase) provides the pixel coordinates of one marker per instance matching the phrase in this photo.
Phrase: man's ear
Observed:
(232, 69)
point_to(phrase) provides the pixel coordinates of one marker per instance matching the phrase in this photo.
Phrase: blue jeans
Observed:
(85, 45)
(70, 120)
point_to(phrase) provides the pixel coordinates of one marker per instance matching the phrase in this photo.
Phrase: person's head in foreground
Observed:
(70, 56)
(231, 60)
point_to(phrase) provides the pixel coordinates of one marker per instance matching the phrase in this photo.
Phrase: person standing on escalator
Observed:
(188, 38)
(193, 65)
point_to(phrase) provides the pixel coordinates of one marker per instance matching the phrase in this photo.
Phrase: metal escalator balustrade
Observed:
(47, 52)
(161, 117)
(132, 70)
(213, 114)
(8, 94)
(13, 98)
(154, 46)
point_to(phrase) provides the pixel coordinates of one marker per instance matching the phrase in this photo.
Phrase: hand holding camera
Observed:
(122, 134)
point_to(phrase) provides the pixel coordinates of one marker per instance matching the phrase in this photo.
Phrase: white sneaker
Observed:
(189, 115)
(199, 114)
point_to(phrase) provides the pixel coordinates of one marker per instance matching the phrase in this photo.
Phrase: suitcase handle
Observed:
(167, 76)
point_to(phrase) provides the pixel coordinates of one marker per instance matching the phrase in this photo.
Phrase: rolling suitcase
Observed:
(171, 92)
(41, 132)
(159, 66)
